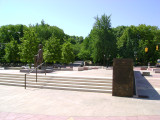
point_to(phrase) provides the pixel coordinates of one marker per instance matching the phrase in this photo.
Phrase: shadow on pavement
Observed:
(144, 89)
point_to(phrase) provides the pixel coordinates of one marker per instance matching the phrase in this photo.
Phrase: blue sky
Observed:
(76, 17)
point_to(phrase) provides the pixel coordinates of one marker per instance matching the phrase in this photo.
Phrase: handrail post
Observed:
(25, 82)
(36, 74)
(36, 70)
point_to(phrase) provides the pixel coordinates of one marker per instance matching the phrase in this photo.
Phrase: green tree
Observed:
(2, 52)
(77, 39)
(9, 31)
(76, 50)
(127, 42)
(104, 43)
(45, 31)
(67, 53)
(134, 40)
(86, 49)
(12, 51)
(76, 42)
(29, 46)
(52, 50)
(148, 37)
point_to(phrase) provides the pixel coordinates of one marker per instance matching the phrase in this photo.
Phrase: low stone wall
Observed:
(38, 71)
(12, 68)
(63, 69)
(85, 68)
(95, 67)
(157, 70)
(80, 68)
(143, 68)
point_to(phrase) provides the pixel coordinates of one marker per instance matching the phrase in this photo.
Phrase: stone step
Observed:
(57, 82)
(62, 88)
(72, 85)
(56, 79)
(80, 89)
(48, 83)
(59, 77)
(73, 80)
(39, 78)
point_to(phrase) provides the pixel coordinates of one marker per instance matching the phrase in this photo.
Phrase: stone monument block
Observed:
(123, 78)
(146, 73)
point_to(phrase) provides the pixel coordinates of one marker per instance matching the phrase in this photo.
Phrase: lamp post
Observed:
(135, 54)
(108, 60)
(104, 60)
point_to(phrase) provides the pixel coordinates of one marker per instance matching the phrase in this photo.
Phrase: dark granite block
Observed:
(123, 77)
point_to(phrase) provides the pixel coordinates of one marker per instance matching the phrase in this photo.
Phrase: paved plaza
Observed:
(17, 103)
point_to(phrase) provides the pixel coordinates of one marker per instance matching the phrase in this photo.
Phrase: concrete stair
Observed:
(58, 82)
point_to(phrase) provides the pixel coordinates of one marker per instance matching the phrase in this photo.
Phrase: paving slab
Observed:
(74, 105)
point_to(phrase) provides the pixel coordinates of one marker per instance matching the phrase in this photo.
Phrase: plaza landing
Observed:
(16, 103)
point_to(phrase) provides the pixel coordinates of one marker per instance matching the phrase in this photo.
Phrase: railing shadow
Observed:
(144, 89)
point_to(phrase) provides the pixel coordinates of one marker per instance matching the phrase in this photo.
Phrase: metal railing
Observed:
(25, 81)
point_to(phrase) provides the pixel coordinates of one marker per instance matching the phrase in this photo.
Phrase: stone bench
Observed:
(89, 68)
(66, 69)
(1, 68)
(143, 68)
(80, 68)
(145, 73)
(157, 70)
(94, 67)
(85, 68)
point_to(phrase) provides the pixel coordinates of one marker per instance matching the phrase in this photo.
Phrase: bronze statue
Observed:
(38, 59)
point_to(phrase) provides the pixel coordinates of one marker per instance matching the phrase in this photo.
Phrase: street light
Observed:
(135, 54)
(108, 60)
(104, 60)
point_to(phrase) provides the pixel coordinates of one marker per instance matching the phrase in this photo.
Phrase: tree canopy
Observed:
(29, 46)
(52, 50)
(19, 43)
